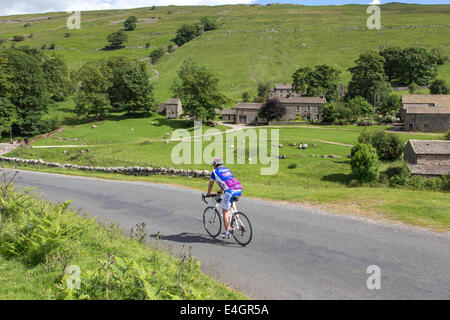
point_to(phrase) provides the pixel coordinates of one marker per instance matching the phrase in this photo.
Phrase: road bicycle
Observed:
(240, 226)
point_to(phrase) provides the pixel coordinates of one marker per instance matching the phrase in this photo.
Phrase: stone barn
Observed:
(426, 112)
(172, 109)
(428, 157)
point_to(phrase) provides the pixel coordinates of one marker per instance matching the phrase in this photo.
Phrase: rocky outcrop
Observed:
(136, 171)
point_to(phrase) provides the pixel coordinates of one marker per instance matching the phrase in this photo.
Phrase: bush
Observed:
(364, 163)
(156, 54)
(439, 86)
(18, 38)
(447, 136)
(292, 166)
(131, 23)
(114, 278)
(117, 39)
(388, 145)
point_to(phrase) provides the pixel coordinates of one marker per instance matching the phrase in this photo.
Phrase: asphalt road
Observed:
(296, 252)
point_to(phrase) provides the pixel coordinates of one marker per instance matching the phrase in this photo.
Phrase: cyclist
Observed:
(231, 187)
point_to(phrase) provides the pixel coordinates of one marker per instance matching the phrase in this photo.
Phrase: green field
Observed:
(266, 43)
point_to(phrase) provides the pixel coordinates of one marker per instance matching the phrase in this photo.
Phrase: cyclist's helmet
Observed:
(217, 162)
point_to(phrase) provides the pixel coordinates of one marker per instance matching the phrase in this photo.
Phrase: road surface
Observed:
(296, 252)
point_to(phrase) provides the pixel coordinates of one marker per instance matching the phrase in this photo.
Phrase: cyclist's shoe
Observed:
(225, 235)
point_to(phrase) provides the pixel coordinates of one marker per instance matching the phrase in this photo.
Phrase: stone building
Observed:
(429, 113)
(307, 108)
(283, 90)
(429, 158)
(172, 109)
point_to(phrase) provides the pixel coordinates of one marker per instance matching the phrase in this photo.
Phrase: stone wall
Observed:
(136, 171)
(7, 147)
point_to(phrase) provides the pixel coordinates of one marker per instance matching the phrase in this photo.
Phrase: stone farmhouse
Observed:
(426, 112)
(283, 90)
(430, 158)
(308, 108)
(172, 109)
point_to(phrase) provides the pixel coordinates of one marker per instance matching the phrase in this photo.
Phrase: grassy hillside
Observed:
(255, 42)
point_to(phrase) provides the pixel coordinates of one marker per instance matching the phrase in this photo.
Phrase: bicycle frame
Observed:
(218, 208)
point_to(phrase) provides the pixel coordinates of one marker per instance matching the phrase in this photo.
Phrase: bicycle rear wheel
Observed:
(212, 221)
(242, 229)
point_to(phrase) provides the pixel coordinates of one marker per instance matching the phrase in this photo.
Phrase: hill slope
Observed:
(255, 42)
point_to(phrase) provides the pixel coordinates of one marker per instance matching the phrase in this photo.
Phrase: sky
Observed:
(10, 7)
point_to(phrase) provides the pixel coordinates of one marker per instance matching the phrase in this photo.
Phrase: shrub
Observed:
(156, 54)
(131, 23)
(18, 38)
(364, 163)
(117, 39)
(292, 166)
(52, 46)
(388, 145)
(447, 136)
(114, 278)
(413, 88)
(272, 109)
(439, 86)
(209, 24)
(147, 45)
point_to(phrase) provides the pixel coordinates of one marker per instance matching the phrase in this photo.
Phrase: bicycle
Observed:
(240, 226)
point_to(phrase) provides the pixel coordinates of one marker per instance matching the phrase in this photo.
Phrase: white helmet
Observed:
(217, 162)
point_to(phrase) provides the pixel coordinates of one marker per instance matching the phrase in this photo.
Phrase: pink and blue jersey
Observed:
(225, 179)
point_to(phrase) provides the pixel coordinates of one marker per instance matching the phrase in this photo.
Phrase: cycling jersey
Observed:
(225, 179)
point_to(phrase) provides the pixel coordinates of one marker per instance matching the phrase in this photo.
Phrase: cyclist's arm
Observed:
(211, 185)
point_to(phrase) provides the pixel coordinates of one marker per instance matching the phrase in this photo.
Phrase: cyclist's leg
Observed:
(226, 207)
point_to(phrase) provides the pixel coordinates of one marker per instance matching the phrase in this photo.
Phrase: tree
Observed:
(322, 80)
(368, 78)
(187, 32)
(364, 163)
(209, 23)
(439, 86)
(272, 109)
(391, 105)
(359, 107)
(388, 145)
(416, 65)
(130, 88)
(117, 39)
(246, 97)
(198, 90)
(156, 54)
(30, 95)
(8, 115)
(263, 90)
(391, 64)
(329, 113)
(131, 23)
(413, 88)
(56, 76)
(92, 97)
(440, 55)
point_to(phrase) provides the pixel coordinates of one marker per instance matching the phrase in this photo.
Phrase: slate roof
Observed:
(304, 100)
(430, 146)
(439, 100)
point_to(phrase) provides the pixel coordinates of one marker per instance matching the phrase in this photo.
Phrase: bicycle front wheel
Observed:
(242, 229)
(212, 221)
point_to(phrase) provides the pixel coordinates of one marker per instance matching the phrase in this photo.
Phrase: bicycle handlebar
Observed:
(212, 195)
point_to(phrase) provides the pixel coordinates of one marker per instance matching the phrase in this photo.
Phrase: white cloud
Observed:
(8, 7)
